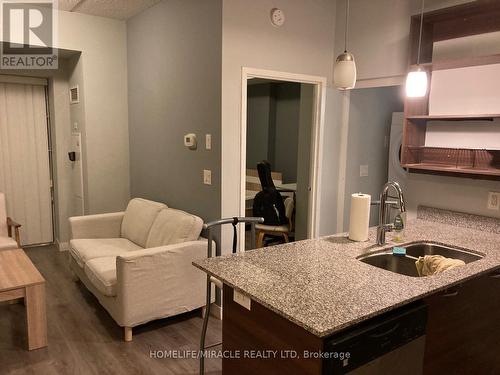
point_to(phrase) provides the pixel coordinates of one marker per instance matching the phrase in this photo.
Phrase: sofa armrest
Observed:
(96, 226)
(161, 281)
(11, 224)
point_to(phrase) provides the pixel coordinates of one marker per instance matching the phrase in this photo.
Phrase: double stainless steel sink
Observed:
(405, 265)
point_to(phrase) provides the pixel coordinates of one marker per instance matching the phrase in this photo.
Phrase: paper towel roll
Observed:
(359, 220)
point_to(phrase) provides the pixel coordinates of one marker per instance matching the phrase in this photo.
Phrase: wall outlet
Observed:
(242, 299)
(363, 170)
(493, 201)
(207, 177)
(208, 141)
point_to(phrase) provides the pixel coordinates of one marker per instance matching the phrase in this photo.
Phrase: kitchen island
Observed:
(304, 292)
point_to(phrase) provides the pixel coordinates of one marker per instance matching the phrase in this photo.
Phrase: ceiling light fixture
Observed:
(416, 81)
(344, 71)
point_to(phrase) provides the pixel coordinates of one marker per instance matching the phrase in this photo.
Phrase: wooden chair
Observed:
(9, 229)
(277, 230)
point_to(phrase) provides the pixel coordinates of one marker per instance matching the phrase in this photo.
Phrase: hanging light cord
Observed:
(420, 36)
(346, 25)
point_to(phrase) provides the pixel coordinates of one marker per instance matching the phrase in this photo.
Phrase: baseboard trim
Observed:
(62, 246)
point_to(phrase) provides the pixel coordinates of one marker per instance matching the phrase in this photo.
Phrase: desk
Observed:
(20, 279)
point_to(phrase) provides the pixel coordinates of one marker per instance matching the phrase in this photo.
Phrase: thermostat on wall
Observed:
(190, 141)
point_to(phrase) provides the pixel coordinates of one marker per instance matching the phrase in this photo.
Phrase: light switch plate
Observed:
(493, 200)
(207, 177)
(208, 141)
(363, 170)
(242, 300)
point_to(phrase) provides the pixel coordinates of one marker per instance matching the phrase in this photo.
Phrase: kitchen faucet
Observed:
(383, 227)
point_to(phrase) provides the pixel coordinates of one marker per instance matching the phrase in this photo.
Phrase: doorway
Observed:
(282, 118)
(25, 157)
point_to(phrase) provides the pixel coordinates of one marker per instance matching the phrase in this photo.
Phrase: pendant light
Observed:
(344, 71)
(416, 81)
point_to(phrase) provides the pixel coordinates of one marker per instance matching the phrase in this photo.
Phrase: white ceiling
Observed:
(118, 9)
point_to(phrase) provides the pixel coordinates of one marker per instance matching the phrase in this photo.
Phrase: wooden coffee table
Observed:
(20, 279)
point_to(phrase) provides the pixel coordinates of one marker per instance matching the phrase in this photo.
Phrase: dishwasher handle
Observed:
(386, 332)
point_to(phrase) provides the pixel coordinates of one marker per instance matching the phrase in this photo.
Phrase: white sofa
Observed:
(138, 262)
(6, 225)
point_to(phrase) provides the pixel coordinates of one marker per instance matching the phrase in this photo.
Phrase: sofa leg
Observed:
(127, 334)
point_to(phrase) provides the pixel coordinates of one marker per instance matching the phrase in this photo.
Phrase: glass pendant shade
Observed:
(416, 84)
(344, 72)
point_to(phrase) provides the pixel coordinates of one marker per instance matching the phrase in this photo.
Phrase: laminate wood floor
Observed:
(84, 339)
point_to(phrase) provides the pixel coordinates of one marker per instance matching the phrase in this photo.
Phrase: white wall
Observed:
(102, 70)
(452, 193)
(61, 133)
(303, 45)
(379, 36)
(77, 125)
(103, 44)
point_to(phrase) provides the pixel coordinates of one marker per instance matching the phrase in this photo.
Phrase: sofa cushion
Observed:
(174, 226)
(139, 217)
(7, 243)
(102, 274)
(84, 250)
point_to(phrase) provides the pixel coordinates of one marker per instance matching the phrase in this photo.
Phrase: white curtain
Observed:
(24, 160)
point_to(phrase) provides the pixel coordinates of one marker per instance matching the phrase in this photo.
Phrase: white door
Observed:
(24, 160)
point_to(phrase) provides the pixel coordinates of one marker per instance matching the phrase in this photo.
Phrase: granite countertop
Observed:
(321, 286)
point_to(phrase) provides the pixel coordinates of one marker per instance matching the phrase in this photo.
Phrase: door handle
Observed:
(386, 332)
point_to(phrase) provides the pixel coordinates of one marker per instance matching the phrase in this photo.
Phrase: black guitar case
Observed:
(268, 203)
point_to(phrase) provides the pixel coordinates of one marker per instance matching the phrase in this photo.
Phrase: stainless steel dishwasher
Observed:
(390, 344)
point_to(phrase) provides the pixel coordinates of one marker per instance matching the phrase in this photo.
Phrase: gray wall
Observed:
(258, 123)
(250, 40)
(273, 114)
(304, 160)
(287, 130)
(174, 72)
(370, 117)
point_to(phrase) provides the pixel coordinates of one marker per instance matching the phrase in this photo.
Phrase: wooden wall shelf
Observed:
(487, 117)
(459, 63)
(458, 21)
(454, 172)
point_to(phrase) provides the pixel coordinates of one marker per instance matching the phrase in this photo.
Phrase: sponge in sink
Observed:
(400, 251)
